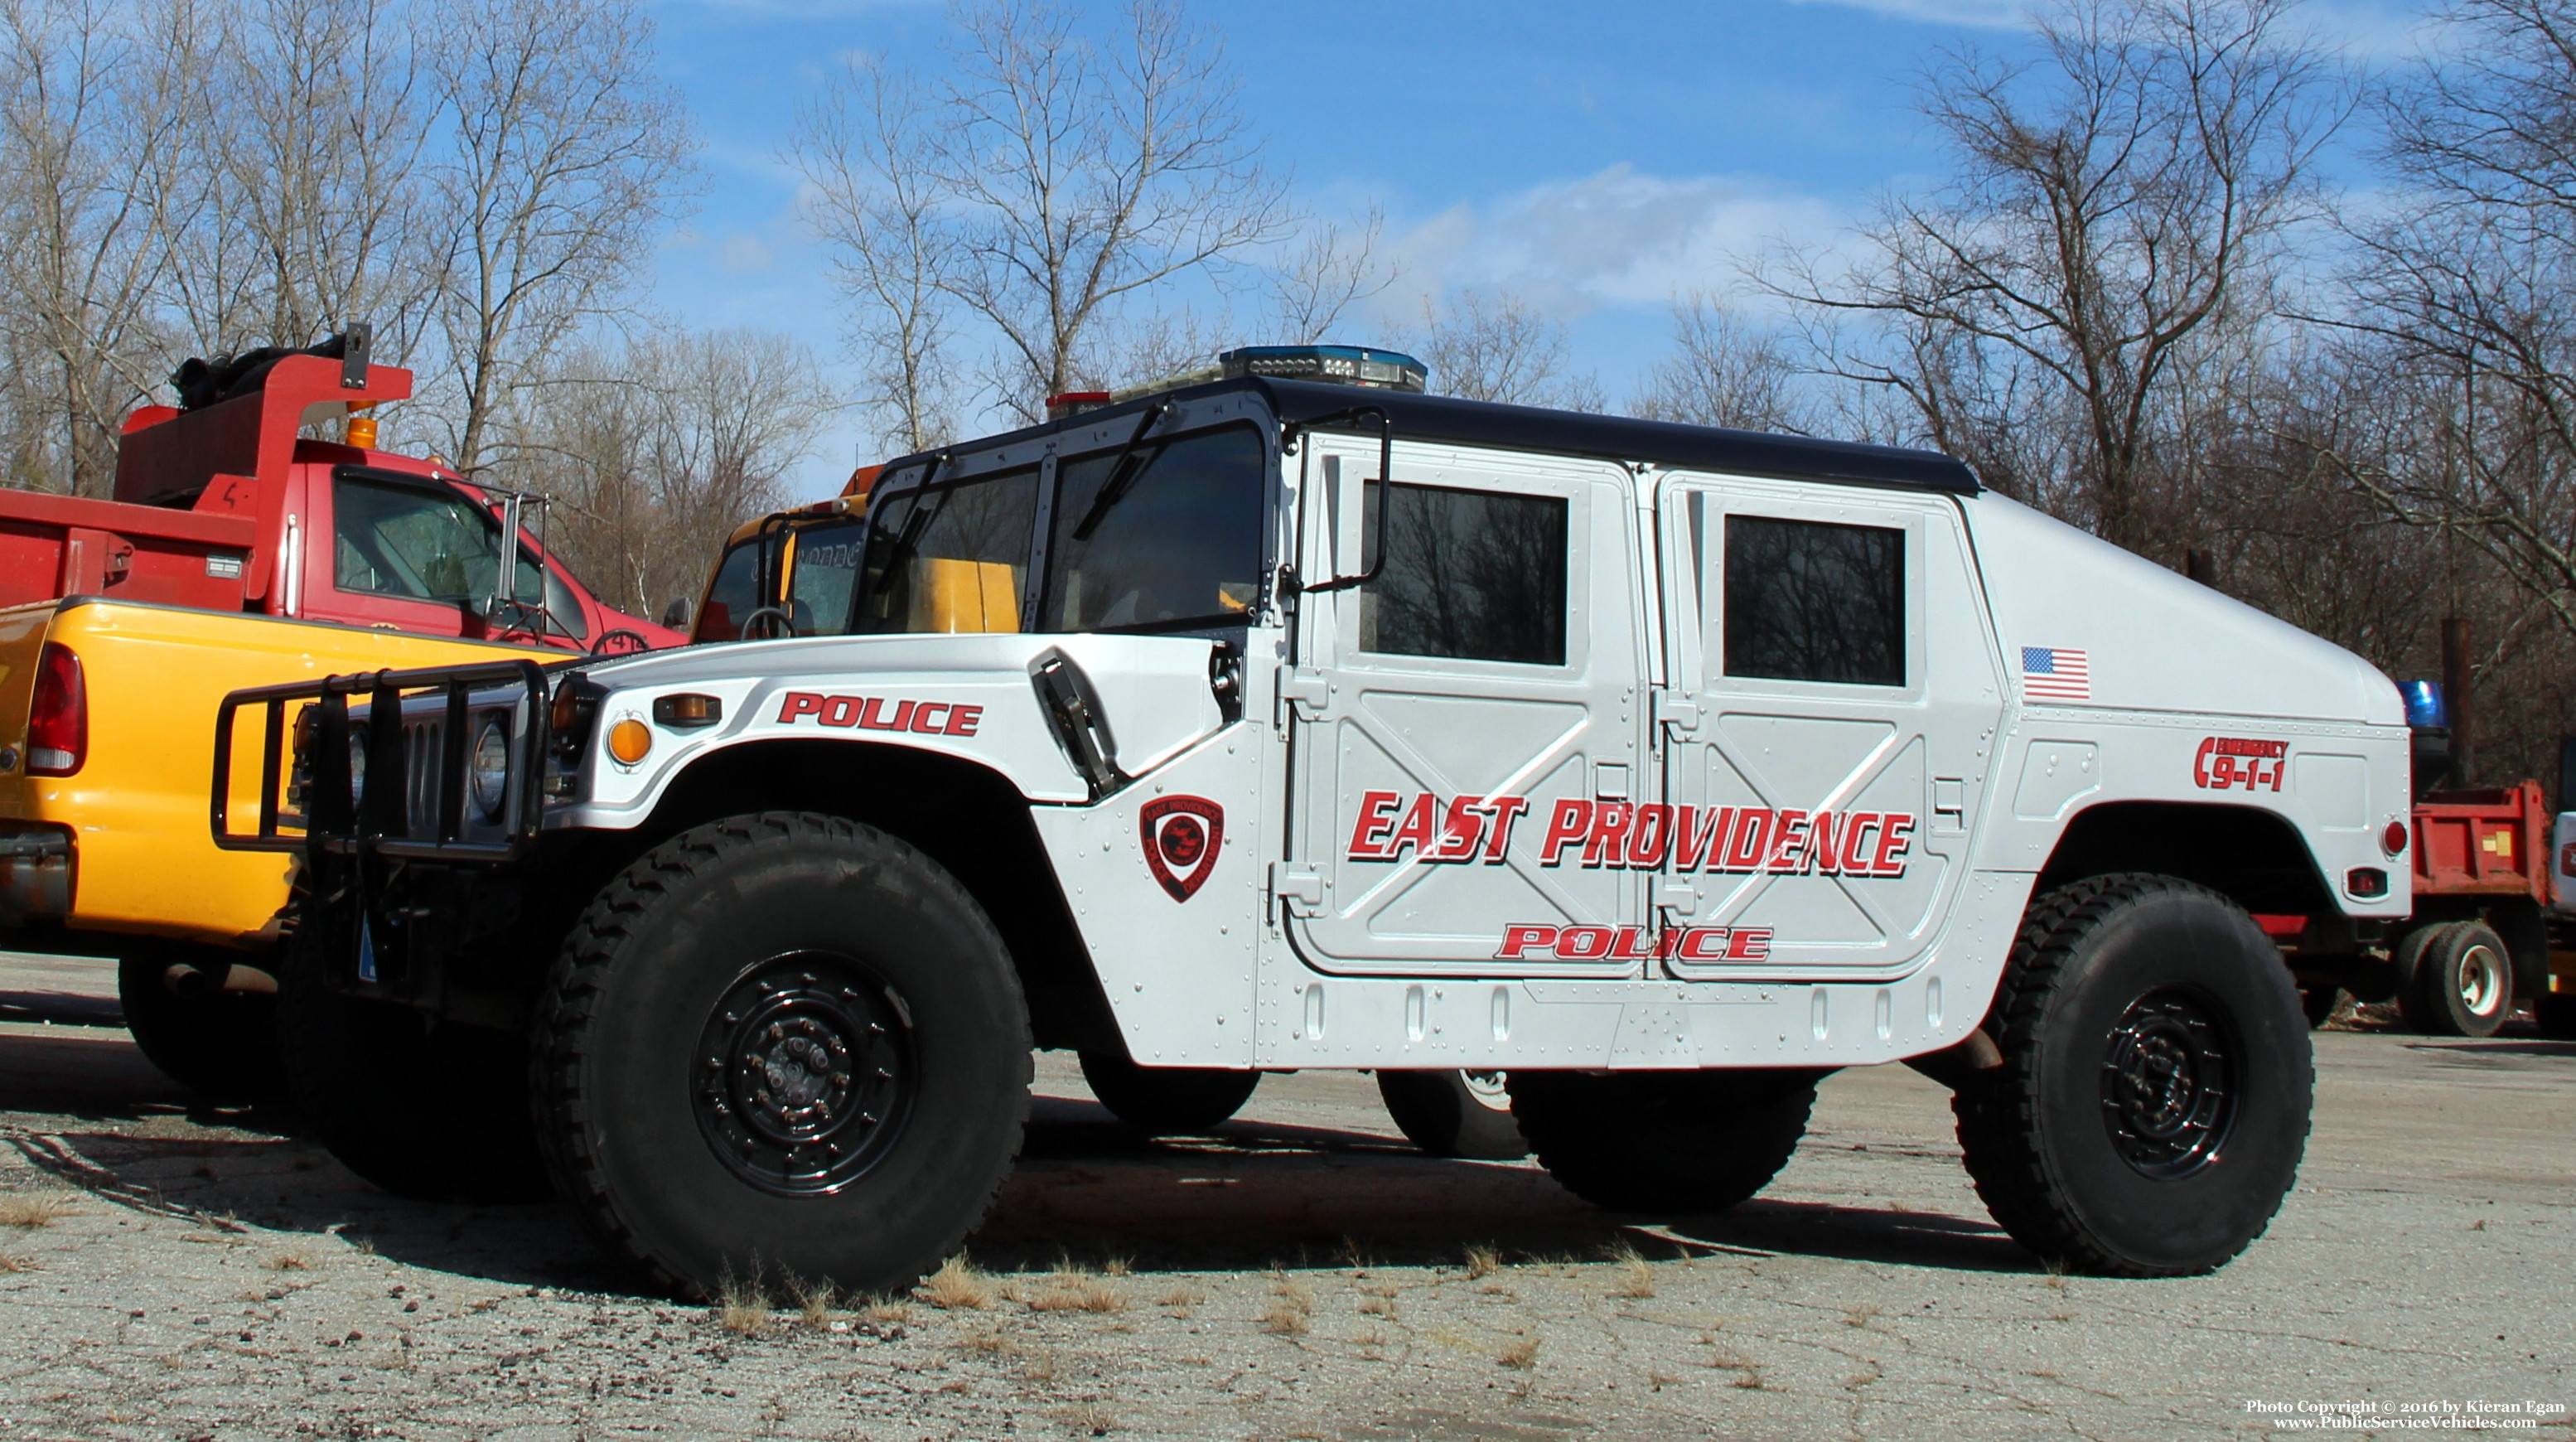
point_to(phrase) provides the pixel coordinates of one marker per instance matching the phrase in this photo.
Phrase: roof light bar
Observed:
(1348, 365)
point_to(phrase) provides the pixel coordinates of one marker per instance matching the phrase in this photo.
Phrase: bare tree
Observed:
(1496, 348)
(2467, 305)
(2110, 209)
(659, 448)
(81, 273)
(1330, 269)
(1724, 371)
(562, 154)
(859, 146)
(1054, 179)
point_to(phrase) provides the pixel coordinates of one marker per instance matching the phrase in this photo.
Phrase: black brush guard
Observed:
(378, 823)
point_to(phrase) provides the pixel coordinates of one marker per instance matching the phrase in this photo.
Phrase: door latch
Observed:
(1300, 884)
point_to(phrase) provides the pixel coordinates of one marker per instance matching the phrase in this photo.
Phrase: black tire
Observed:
(221, 1043)
(1166, 1100)
(2082, 1144)
(1664, 1141)
(2320, 1003)
(782, 1043)
(1454, 1113)
(425, 1109)
(2461, 981)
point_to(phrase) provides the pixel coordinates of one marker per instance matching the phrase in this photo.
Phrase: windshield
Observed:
(1169, 539)
(952, 558)
(824, 571)
(1165, 537)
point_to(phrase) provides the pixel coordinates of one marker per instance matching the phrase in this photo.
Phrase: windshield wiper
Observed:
(1121, 478)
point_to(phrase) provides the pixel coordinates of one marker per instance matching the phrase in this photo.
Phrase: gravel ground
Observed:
(173, 1271)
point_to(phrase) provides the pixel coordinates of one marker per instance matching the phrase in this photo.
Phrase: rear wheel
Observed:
(2152, 1105)
(1167, 1099)
(785, 1044)
(420, 1107)
(200, 1033)
(1454, 1113)
(2462, 983)
(1664, 1141)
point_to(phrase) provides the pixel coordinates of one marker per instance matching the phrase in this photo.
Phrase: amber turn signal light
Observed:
(688, 709)
(629, 740)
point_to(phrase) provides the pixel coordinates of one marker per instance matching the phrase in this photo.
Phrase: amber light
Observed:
(629, 740)
(688, 709)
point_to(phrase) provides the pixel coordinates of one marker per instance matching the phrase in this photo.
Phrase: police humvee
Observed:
(1281, 723)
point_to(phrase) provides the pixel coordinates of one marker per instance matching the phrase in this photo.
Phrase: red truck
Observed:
(238, 548)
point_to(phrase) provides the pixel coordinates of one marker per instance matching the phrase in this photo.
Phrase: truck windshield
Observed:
(823, 571)
(1170, 539)
(951, 558)
(1166, 536)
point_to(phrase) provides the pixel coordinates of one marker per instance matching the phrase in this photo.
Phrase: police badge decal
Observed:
(1181, 835)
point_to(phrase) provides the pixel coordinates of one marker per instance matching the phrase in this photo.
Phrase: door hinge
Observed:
(1678, 710)
(1309, 689)
(1676, 895)
(1298, 883)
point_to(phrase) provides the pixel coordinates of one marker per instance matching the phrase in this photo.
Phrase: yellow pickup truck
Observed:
(238, 551)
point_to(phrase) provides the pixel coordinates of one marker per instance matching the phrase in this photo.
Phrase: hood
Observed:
(2146, 639)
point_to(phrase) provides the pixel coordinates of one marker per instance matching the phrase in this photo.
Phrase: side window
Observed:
(734, 594)
(952, 560)
(429, 545)
(1812, 601)
(1475, 575)
(1171, 537)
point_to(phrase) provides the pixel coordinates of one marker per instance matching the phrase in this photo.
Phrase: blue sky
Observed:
(1594, 166)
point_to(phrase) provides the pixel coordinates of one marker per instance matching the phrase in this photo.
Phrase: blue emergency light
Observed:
(1348, 365)
(2425, 707)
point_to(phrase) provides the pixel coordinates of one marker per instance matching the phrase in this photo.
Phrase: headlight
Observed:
(492, 766)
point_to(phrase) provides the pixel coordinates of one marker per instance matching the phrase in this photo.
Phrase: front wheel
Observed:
(1454, 1113)
(782, 1044)
(2152, 1105)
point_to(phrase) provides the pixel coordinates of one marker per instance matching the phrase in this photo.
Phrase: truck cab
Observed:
(1280, 723)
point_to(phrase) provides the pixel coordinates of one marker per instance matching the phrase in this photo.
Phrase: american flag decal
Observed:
(2051, 673)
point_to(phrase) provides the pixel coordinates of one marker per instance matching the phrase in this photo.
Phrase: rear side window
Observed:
(734, 595)
(1474, 575)
(1813, 601)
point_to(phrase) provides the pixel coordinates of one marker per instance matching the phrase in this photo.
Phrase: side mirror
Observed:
(679, 613)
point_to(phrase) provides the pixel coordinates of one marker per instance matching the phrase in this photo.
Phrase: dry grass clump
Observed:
(1078, 1294)
(293, 1259)
(11, 1265)
(991, 1343)
(958, 1285)
(1091, 1419)
(1520, 1355)
(26, 1213)
(814, 1301)
(743, 1307)
(1636, 1278)
(1482, 1262)
(887, 1312)
(1293, 1314)
(1858, 1316)
(1181, 1295)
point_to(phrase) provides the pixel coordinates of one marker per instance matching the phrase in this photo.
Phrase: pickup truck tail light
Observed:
(58, 718)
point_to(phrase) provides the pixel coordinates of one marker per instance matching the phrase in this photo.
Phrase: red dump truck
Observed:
(238, 548)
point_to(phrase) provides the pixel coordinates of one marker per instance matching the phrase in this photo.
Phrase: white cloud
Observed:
(744, 253)
(1617, 238)
(2363, 29)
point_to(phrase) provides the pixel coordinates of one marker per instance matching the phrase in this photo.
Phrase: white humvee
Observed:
(1661, 769)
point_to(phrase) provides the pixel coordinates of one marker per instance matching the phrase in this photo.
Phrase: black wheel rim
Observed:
(805, 1073)
(2169, 1092)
